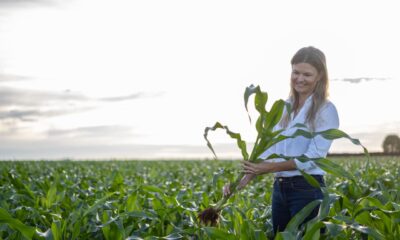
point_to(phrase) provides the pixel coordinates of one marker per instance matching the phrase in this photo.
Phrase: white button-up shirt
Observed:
(317, 147)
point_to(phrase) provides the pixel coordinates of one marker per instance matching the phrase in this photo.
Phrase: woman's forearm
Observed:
(272, 167)
(268, 167)
(280, 166)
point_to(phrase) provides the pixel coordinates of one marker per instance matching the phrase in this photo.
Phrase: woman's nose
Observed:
(300, 78)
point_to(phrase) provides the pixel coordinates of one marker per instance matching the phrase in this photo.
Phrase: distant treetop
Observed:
(391, 144)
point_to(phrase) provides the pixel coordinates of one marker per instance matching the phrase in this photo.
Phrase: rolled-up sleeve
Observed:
(319, 146)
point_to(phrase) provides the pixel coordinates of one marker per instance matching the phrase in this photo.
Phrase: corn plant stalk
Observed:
(266, 138)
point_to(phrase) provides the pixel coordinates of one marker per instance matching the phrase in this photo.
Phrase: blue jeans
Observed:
(290, 195)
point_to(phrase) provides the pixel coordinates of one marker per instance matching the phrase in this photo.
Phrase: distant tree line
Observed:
(391, 144)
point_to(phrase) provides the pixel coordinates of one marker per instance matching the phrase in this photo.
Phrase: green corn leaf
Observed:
(313, 232)
(120, 230)
(270, 143)
(258, 149)
(56, 230)
(330, 134)
(152, 188)
(324, 163)
(310, 179)
(220, 234)
(259, 123)
(16, 224)
(333, 168)
(22, 188)
(51, 194)
(367, 230)
(173, 236)
(104, 227)
(43, 235)
(365, 209)
(360, 228)
(142, 215)
(333, 134)
(117, 179)
(76, 230)
(260, 99)
(298, 219)
(240, 143)
(139, 238)
(265, 123)
(285, 236)
(132, 202)
(216, 176)
(325, 205)
(110, 227)
(334, 229)
(274, 116)
(97, 204)
(300, 125)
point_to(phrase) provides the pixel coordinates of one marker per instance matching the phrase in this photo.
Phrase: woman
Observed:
(308, 99)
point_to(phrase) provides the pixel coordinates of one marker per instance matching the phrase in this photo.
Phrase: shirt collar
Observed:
(308, 100)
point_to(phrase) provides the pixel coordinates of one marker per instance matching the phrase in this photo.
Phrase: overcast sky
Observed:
(142, 79)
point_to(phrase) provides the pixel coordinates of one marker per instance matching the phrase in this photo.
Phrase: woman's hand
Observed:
(257, 168)
(243, 182)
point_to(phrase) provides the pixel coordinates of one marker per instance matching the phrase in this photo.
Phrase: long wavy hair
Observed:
(315, 58)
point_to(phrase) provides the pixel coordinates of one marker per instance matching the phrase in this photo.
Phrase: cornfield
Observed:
(162, 199)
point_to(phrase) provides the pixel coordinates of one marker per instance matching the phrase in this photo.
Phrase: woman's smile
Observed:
(304, 78)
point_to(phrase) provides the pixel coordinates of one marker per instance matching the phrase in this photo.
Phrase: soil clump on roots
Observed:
(209, 216)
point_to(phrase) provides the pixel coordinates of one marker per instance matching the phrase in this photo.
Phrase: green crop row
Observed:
(162, 199)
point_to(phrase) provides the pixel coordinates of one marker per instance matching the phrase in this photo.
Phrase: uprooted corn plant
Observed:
(267, 137)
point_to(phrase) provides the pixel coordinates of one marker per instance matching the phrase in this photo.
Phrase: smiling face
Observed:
(304, 78)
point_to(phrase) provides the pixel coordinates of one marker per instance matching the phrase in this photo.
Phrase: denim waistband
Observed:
(319, 178)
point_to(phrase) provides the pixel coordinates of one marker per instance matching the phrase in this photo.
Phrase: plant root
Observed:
(209, 216)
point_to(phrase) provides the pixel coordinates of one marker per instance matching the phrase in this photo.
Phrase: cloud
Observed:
(130, 97)
(33, 115)
(31, 105)
(27, 3)
(92, 132)
(20, 115)
(82, 142)
(359, 79)
(122, 98)
(34, 98)
(12, 78)
(22, 109)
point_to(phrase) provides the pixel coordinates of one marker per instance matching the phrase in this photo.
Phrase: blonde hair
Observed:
(315, 58)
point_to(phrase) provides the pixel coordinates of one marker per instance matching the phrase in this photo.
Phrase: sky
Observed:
(121, 79)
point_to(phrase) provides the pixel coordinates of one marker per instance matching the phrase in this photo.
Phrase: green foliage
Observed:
(5, 218)
(160, 200)
(267, 137)
(391, 144)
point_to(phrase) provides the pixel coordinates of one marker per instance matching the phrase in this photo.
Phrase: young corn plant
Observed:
(267, 137)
